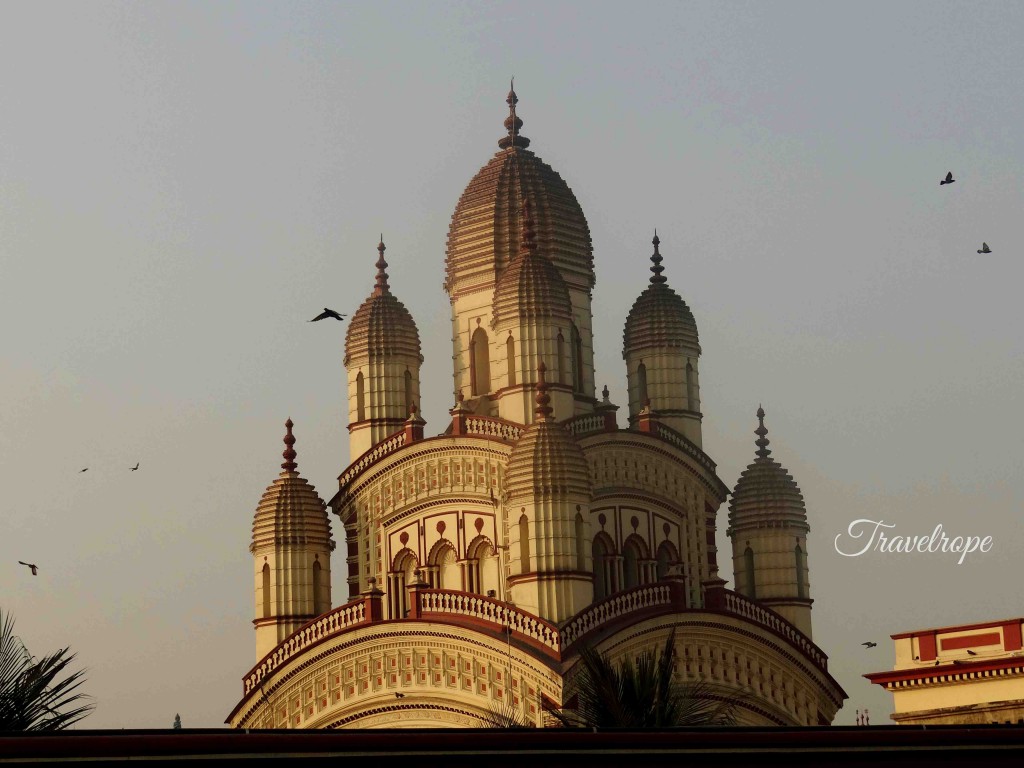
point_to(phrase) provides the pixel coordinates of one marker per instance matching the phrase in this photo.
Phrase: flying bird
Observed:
(948, 180)
(985, 248)
(135, 467)
(84, 470)
(33, 567)
(399, 695)
(327, 313)
(869, 644)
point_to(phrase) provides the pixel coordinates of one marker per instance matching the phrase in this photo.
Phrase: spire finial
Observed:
(762, 441)
(513, 123)
(657, 278)
(382, 276)
(543, 399)
(289, 454)
(528, 240)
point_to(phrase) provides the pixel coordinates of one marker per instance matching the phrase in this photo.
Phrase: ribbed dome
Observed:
(484, 233)
(659, 317)
(291, 511)
(546, 460)
(766, 492)
(531, 286)
(382, 325)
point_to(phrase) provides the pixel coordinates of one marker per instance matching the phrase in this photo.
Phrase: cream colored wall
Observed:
(774, 570)
(963, 693)
(292, 601)
(666, 388)
(774, 685)
(351, 679)
(385, 409)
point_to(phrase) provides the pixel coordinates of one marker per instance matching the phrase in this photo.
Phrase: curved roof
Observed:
(291, 511)
(382, 325)
(659, 317)
(546, 460)
(483, 236)
(765, 491)
(532, 286)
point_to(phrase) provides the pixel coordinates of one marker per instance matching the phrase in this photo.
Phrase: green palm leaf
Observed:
(33, 694)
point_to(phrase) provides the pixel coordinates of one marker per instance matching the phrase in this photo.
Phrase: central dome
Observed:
(484, 235)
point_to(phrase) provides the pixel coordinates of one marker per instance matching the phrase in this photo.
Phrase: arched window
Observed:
(402, 574)
(632, 554)
(691, 388)
(561, 362)
(510, 353)
(360, 398)
(408, 392)
(524, 545)
(577, 360)
(667, 557)
(581, 556)
(641, 381)
(481, 567)
(601, 554)
(748, 566)
(479, 363)
(266, 590)
(801, 570)
(317, 586)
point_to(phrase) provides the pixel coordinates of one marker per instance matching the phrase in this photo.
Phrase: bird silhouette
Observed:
(32, 566)
(971, 653)
(985, 248)
(84, 470)
(948, 180)
(135, 467)
(399, 695)
(869, 644)
(327, 313)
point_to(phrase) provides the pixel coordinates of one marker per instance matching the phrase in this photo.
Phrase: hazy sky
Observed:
(184, 185)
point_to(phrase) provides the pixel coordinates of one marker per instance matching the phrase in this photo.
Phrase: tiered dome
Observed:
(546, 460)
(382, 325)
(291, 511)
(483, 237)
(531, 286)
(766, 491)
(659, 317)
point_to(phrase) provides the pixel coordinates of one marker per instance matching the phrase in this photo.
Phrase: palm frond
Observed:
(32, 698)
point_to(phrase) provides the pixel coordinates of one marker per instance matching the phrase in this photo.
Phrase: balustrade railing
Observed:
(586, 423)
(434, 601)
(616, 606)
(389, 445)
(741, 606)
(338, 620)
(499, 428)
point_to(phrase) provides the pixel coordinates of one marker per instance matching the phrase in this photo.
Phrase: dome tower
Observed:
(484, 241)
(531, 312)
(768, 528)
(291, 549)
(548, 494)
(661, 350)
(382, 359)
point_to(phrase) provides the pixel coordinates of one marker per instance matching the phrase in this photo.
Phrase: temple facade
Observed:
(479, 561)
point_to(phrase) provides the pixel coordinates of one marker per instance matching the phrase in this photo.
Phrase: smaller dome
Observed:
(659, 317)
(382, 325)
(765, 491)
(546, 460)
(291, 511)
(532, 286)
